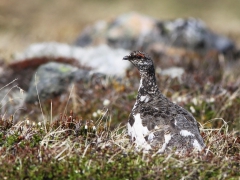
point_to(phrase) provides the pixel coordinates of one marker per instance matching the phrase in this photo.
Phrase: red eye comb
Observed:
(140, 54)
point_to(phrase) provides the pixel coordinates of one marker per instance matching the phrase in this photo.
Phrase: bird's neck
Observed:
(148, 83)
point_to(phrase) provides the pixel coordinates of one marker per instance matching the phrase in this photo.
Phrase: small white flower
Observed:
(195, 101)
(27, 122)
(33, 124)
(94, 128)
(39, 124)
(179, 99)
(192, 109)
(211, 100)
(77, 171)
(106, 102)
(99, 111)
(94, 114)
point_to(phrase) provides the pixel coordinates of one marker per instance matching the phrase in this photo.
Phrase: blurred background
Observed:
(25, 22)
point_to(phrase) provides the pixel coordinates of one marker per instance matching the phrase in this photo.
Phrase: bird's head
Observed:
(141, 60)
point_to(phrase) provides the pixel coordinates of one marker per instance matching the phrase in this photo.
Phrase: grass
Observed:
(92, 143)
(76, 149)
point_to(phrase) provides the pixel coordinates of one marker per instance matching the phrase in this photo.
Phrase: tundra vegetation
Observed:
(84, 137)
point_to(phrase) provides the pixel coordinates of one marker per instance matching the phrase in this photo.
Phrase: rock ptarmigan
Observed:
(155, 121)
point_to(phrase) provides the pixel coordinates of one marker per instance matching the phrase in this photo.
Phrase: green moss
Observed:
(11, 140)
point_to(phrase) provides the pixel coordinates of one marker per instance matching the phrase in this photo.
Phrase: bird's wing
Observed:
(159, 111)
(163, 117)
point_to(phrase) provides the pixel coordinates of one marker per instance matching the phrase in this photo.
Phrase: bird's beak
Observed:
(126, 58)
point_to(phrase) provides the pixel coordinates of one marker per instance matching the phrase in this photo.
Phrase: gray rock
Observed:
(192, 34)
(135, 31)
(102, 59)
(127, 31)
(52, 79)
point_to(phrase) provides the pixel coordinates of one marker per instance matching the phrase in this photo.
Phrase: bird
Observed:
(155, 122)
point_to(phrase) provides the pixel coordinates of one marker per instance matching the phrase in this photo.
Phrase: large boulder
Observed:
(101, 59)
(49, 68)
(128, 31)
(192, 34)
(53, 79)
(135, 31)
